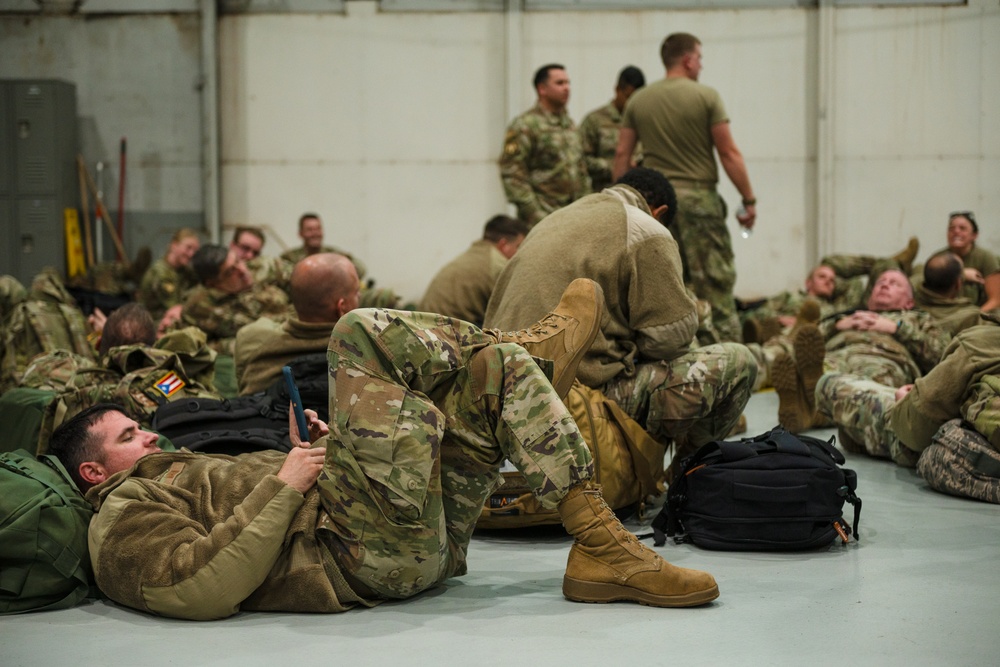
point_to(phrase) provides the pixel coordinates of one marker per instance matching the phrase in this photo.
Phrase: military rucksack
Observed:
(44, 519)
(628, 464)
(982, 409)
(961, 462)
(47, 321)
(137, 377)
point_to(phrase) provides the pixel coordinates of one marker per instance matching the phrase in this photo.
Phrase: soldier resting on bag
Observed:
(898, 422)
(382, 506)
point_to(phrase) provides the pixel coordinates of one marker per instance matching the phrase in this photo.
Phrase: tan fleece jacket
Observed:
(610, 238)
(201, 536)
(941, 394)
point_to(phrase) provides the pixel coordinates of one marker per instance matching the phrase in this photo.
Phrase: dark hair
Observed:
(73, 443)
(942, 271)
(208, 261)
(631, 76)
(247, 229)
(129, 325)
(307, 216)
(968, 215)
(504, 227)
(676, 46)
(654, 188)
(542, 75)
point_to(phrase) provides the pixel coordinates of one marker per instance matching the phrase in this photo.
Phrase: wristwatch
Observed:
(750, 202)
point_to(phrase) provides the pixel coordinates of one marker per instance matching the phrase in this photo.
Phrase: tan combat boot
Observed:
(565, 334)
(906, 256)
(608, 563)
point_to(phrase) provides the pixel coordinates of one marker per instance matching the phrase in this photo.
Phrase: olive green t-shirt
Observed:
(673, 120)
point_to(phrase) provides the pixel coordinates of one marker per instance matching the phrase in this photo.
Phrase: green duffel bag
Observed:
(44, 519)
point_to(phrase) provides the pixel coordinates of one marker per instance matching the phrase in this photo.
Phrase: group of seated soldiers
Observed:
(865, 334)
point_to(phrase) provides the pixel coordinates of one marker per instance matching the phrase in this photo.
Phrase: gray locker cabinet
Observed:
(38, 138)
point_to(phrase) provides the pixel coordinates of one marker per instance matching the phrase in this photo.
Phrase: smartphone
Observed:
(293, 394)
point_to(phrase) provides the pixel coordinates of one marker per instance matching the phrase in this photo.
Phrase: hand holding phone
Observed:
(293, 394)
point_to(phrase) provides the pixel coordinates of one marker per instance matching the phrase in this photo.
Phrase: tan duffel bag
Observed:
(628, 464)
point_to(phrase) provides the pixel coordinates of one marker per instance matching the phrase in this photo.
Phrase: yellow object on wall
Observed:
(76, 264)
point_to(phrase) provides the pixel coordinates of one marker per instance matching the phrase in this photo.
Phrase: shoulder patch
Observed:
(169, 384)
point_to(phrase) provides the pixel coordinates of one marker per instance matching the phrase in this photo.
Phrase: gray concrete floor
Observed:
(921, 588)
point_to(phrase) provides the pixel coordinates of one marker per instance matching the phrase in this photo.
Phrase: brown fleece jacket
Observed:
(201, 536)
(610, 238)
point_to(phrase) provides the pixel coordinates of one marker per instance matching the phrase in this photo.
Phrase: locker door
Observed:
(35, 138)
(39, 237)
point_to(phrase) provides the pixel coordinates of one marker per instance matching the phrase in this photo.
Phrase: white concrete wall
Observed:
(389, 125)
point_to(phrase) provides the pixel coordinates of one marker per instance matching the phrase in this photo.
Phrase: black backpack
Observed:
(777, 491)
(228, 426)
(312, 377)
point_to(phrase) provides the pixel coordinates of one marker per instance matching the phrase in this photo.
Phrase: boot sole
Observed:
(810, 350)
(595, 592)
(793, 412)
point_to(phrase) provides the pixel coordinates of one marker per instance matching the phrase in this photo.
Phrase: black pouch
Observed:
(777, 491)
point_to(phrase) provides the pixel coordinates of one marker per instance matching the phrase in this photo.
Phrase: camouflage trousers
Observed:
(707, 250)
(874, 367)
(693, 399)
(423, 410)
(862, 409)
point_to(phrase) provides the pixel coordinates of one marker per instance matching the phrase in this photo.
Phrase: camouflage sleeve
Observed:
(923, 339)
(517, 147)
(785, 303)
(598, 167)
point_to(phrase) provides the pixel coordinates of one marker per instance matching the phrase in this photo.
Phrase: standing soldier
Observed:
(542, 165)
(681, 124)
(599, 130)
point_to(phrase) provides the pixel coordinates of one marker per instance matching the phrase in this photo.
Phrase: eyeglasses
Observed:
(251, 252)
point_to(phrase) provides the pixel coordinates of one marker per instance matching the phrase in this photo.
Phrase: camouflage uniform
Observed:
(163, 287)
(858, 391)
(893, 360)
(296, 255)
(137, 377)
(12, 292)
(271, 271)
(424, 408)
(599, 139)
(709, 261)
(542, 165)
(46, 321)
(693, 399)
(220, 314)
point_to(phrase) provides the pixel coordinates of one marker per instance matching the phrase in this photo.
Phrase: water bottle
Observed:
(741, 214)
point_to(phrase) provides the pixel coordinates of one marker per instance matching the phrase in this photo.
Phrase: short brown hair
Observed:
(256, 231)
(676, 46)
